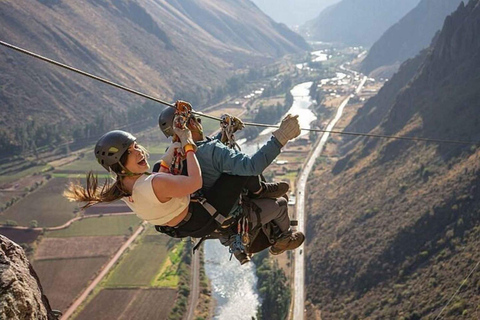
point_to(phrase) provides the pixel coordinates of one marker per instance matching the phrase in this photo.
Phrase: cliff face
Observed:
(21, 295)
(396, 228)
(410, 35)
(356, 22)
(169, 49)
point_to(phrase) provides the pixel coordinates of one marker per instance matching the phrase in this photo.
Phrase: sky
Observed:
(293, 12)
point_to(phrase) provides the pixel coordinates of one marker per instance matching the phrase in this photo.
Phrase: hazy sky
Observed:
(293, 12)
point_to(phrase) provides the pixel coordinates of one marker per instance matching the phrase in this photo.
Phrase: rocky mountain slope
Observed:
(409, 36)
(21, 294)
(396, 227)
(354, 22)
(165, 48)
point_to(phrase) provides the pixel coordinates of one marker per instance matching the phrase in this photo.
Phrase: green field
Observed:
(46, 205)
(9, 178)
(169, 273)
(84, 164)
(99, 226)
(142, 263)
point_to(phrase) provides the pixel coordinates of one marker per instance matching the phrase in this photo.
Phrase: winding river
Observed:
(234, 286)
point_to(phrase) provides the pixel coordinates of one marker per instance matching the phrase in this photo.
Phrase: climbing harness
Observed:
(228, 126)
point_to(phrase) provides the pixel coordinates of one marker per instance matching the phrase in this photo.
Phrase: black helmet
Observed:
(111, 146)
(165, 121)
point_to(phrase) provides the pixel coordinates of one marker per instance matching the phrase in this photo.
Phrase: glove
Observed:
(289, 129)
(167, 159)
(185, 137)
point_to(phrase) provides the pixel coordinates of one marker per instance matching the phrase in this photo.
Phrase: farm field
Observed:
(85, 163)
(131, 304)
(19, 187)
(77, 247)
(99, 226)
(113, 207)
(64, 279)
(141, 264)
(169, 272)
(20, 236)
(46, 205)
(21, 173)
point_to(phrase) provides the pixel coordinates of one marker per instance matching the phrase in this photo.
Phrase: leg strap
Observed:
(221, 220)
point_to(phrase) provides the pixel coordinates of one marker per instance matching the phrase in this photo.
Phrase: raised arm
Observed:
(166, 185)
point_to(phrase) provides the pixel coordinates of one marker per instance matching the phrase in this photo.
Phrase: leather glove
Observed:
(167, 158)
(185, 137)
(289, 129)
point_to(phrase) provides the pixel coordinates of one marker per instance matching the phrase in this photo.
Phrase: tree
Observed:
(33, 224)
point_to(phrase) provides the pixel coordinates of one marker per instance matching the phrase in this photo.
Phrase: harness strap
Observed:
(199, 242)
(210, 209)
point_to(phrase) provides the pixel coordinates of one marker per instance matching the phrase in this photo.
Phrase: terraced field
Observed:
(130, 304)
(46, 205)
(99, 226)
(64, 279)
(139, 267)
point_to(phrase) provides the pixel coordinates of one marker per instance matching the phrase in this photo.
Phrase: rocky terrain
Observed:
(396, 225)
(21, 294)
(409, 36)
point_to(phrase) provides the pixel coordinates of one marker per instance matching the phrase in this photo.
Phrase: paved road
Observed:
(194, 285)
(299, 254)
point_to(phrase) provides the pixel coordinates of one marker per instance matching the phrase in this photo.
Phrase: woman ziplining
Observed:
(163, 199)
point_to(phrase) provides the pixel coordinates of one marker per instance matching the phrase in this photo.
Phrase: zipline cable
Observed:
(62, 65)
(458, 290)
(89, 75)
(372, 135)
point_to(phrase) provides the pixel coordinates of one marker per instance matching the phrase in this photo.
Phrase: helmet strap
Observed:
(127, 173)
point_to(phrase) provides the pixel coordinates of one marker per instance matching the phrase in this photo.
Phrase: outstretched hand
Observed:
(289, 129)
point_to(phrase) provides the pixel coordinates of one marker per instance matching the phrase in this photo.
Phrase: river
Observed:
(234, 286)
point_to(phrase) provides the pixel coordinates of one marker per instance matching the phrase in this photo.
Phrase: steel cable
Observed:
(62, 65)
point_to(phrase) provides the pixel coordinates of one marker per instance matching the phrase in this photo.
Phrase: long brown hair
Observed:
(93, 193)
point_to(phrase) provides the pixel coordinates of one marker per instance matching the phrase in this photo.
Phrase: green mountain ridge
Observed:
(397, 223)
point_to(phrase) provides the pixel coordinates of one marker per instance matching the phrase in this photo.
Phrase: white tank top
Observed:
(146, 205)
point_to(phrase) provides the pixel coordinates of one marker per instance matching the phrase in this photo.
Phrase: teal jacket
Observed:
(215, 158)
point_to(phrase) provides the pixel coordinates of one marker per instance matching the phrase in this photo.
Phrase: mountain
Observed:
(293, 13)
(170, 49)
(407, 37)
(395, 226)
(355, 22)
